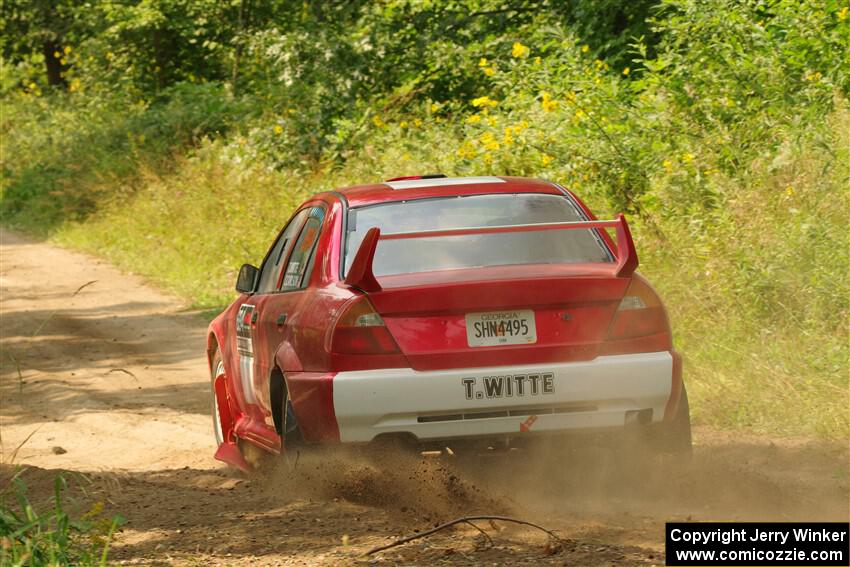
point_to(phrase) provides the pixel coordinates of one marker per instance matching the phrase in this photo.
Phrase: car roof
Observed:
(424, 188)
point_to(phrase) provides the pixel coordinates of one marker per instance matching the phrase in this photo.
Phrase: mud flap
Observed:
(229, 453)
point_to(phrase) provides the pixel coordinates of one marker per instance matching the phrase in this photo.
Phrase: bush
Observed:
(81, 152)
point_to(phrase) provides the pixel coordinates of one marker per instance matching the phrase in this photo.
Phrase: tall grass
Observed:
(52, 536)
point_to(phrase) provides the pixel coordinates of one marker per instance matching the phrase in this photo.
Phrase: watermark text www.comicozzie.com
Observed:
(713, 543)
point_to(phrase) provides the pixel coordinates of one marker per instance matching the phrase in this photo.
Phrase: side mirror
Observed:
(247, 280)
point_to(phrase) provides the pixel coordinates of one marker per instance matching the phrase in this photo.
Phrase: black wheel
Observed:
(674, 438)
(284, 418)
(291, 435)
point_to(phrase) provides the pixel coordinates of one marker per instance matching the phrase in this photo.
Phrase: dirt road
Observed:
(104, 377)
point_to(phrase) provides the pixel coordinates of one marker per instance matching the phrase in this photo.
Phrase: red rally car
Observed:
(444, 311)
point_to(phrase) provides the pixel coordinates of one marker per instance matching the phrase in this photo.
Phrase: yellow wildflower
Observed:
(466, 150)
(547, 103)
(482, 62)
(483, 101)
(842, 15)
(585, 48)
(489, 141)
(376, 120)
(687, 157)
(474, 119)
(570, 96)
(546, 159)
(435, 106)
(519, 128)
(63, 61)
(110, 55)
(537, 60)
(417, 122)
(580, 114)
(278, 129)
(508, 138)
(489, 71)
(492, 121)
(790, 190)
(67, 50)
(626, 71)
(519, 50)
(56, 55)
(668, 165)
(32, 86)
(403, 124)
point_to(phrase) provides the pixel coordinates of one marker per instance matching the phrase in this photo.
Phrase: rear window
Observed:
(471, 251)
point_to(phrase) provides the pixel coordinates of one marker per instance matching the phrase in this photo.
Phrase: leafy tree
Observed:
(39, 28)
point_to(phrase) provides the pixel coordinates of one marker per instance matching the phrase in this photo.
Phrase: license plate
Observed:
(501, 328)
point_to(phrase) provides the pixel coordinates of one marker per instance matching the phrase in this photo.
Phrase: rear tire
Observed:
(674, 438)
(290, 435)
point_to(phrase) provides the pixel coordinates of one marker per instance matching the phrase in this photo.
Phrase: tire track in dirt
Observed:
(116, 377)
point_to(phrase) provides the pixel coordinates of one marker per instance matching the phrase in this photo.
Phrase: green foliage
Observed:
(722, 132)
(612, 26)
(29, 537)
(85, 151)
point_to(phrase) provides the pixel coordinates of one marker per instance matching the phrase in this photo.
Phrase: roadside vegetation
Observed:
(48, 534)
(174, 137)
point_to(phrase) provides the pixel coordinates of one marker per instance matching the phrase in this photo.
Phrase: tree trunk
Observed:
(53, 64)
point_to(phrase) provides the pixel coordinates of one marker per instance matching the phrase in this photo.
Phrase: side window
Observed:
(270, 274)
(301, 260)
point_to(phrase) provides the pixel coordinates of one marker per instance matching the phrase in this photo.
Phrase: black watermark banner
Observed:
(754, 543)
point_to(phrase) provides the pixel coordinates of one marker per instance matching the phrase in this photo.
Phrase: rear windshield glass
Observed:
(470, 251)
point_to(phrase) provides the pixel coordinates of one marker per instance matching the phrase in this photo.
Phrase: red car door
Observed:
(280, 311)
(250, 340)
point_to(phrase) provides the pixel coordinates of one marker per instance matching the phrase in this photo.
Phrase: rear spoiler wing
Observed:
(360, 274)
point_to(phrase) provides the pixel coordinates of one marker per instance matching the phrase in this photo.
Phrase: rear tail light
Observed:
(639, 314)
(360, 330)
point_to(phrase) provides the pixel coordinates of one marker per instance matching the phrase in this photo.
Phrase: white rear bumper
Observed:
(503, 400)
